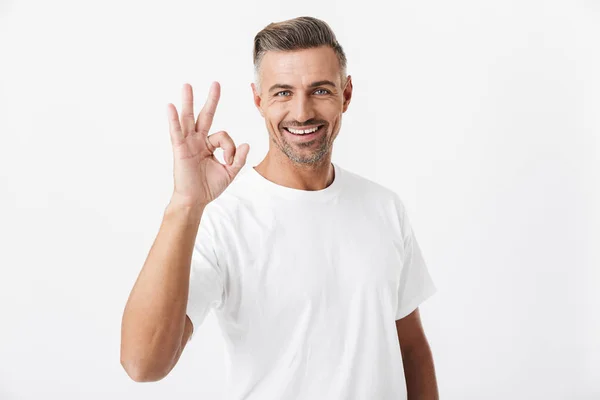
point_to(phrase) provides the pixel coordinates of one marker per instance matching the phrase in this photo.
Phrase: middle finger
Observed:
(187, 111)
(205, 118)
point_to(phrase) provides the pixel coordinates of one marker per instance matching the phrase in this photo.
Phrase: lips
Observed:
(303, 128)
(306, 136)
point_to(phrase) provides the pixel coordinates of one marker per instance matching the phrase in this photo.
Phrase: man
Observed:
(313, 272)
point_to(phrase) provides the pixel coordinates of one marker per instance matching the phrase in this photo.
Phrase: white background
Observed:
(483, 116)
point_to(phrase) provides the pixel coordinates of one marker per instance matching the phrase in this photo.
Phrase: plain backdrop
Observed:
(482, 115)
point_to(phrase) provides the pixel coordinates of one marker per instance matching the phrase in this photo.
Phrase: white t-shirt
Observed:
(307, 287)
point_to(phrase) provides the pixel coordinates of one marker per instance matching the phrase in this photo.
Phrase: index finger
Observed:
(205, 117)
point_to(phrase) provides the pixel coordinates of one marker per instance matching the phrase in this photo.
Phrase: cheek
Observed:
(335, 125)
(274, 118)
(330, 110)
(274, 110)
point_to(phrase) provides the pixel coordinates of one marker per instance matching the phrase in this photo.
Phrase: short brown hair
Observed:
(295, 34)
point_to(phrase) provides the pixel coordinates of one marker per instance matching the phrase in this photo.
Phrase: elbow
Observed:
(138, 372)
(135, 373)
(143, 360)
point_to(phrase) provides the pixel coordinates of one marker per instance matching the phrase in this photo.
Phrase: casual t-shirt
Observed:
(307, 287)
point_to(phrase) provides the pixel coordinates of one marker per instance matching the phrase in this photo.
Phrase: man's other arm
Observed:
(419, 370)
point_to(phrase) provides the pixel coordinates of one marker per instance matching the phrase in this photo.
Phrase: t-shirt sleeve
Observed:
(416, 284)
(206, 289)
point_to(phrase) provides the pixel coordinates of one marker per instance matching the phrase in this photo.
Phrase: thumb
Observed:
(239, 160)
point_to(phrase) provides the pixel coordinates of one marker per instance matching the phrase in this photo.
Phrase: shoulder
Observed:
(371, 190)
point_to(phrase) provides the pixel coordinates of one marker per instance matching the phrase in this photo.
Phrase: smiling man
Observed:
(313, 272)
(302, 94)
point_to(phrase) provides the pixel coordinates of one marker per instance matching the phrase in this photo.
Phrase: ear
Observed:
(347, 93)
(257, 99)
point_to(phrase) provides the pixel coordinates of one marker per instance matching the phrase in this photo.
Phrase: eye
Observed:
(324, 90)
(284, 91)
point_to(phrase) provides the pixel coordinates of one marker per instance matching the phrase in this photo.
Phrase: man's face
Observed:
(302, 90)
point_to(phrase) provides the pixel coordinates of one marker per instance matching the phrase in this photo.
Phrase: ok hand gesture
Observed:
(199, 177)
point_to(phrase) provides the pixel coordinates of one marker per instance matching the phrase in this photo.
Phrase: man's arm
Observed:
(155, 325)
(419, 370)
(155, 328)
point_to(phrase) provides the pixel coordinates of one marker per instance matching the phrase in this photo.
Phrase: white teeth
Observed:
(302, 132)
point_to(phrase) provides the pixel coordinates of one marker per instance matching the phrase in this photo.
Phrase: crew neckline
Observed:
(299, 194)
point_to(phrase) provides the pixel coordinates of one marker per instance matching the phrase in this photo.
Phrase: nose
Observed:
(302, 109)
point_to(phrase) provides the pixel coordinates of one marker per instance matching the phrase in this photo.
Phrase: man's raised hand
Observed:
(199, 177)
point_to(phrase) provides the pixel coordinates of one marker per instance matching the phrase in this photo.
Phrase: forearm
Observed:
(419, 372)
(154, 317)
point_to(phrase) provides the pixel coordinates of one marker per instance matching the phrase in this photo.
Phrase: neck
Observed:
(285, 172)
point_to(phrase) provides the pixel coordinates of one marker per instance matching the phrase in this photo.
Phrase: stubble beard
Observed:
(316, 155)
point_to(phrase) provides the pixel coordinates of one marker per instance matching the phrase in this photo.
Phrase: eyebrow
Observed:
(312, 85)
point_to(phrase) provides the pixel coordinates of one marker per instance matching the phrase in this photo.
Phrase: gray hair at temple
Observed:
(295, 34)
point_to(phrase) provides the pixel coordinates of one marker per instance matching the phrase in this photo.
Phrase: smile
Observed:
(305, 131)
